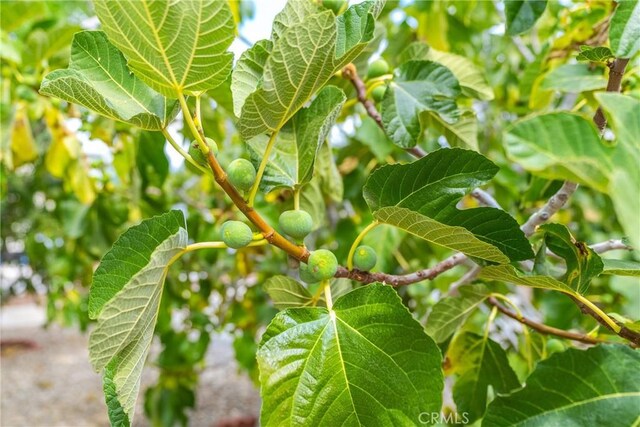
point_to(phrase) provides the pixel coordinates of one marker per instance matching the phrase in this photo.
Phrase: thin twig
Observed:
(616, 72)
(542, 328)
(485, 198)
(610, 245)
(553, 205)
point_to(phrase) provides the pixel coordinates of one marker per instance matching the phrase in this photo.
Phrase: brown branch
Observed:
(542, 328)
(271, 235)
(350, 73)
(616, 72)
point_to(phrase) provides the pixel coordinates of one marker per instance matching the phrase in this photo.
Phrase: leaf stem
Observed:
(357, 241)
(261, 168)
(210, 245)
(181, 151)
(296, 197)
(608, 320)
(326, 286)
(204, 147)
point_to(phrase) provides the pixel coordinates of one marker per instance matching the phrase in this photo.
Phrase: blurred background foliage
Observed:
(73, 181)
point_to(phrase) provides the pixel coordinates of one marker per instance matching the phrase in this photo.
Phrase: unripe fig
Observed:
(554, 345)
(296, 223)
(196, 153)
(378, 93)
(236, 234)
(377, 68)
(306, 276)
(322, 264)
(242, 174)
(365, 258)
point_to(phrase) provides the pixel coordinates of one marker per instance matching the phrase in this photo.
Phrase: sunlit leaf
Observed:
(574, 78)
(624, 32)
(621, 267)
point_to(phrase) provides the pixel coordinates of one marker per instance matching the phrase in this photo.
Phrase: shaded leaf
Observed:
(286, 292)
(560, 146)
(125, 298)
(479, 363)
(574, 78)
(174, 47)
(98, 79)
(600, 385)
(421, 198)
(450, 312)
(462, 133)
(509, 274)
(522, 14)
(366, 361)
(418, 86)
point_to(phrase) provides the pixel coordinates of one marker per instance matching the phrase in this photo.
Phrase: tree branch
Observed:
(624, 332)
(610, 245)
(553, 205)
(542, 328)
(485, 198)
(616, 72)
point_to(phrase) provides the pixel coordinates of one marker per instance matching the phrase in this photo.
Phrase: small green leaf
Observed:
(624, 32)
(509, 274)
(418, 86)
(600, 386)
(479, 363)
(522, 14)
(582, 263)
(286, 292)
(303, 59)
(623, 112)
(471, 77)
(293, 156)
(560, 146)
(174, 47)
(421, 198)
(574, 78)
(364, 362)
(595, 54)
(125, 298)
(463, 133)
(621, 267)
(98, 79)
(451, 312)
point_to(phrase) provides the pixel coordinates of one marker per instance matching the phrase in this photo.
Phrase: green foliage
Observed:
(338, 352)
(236, 234)
(595, 383)
(242, 174)
(322, 264)
(296, 223)
(337, 348)
(365, 258)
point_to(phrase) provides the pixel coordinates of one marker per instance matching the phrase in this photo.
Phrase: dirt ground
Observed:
(52, 383)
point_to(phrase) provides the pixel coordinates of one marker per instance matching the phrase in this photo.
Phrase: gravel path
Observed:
(54, 384)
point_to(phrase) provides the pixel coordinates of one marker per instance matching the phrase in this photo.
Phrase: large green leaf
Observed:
(582, 263)
(364, 362)
(623, 112)
(471, 77)
(247, 75)
(294, 12)
(624, 32)
(479, 363)
(174, 47)
(620, 267)
(297, 144)
(574, 78)
(125, 297)
(98, 78)
(599, 386)
(451, 312)
(421, 198)
(560, 146)
(522, 14)
(418, 86)
(303, 59)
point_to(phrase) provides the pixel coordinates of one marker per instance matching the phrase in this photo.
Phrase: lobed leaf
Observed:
(421, 198)
(364, 362)
(174, 47)
(600, 386)
(98, 79)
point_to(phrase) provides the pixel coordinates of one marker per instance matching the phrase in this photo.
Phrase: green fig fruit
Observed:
(365, 258)
(236, 234)
(241, 174)
(322, 264)
(297, 223)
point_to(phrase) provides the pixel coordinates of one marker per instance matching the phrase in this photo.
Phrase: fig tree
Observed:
(242, 174)
(322, 264)
(296, 223)
(236, 234)
(377, 68)
(365, 258)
